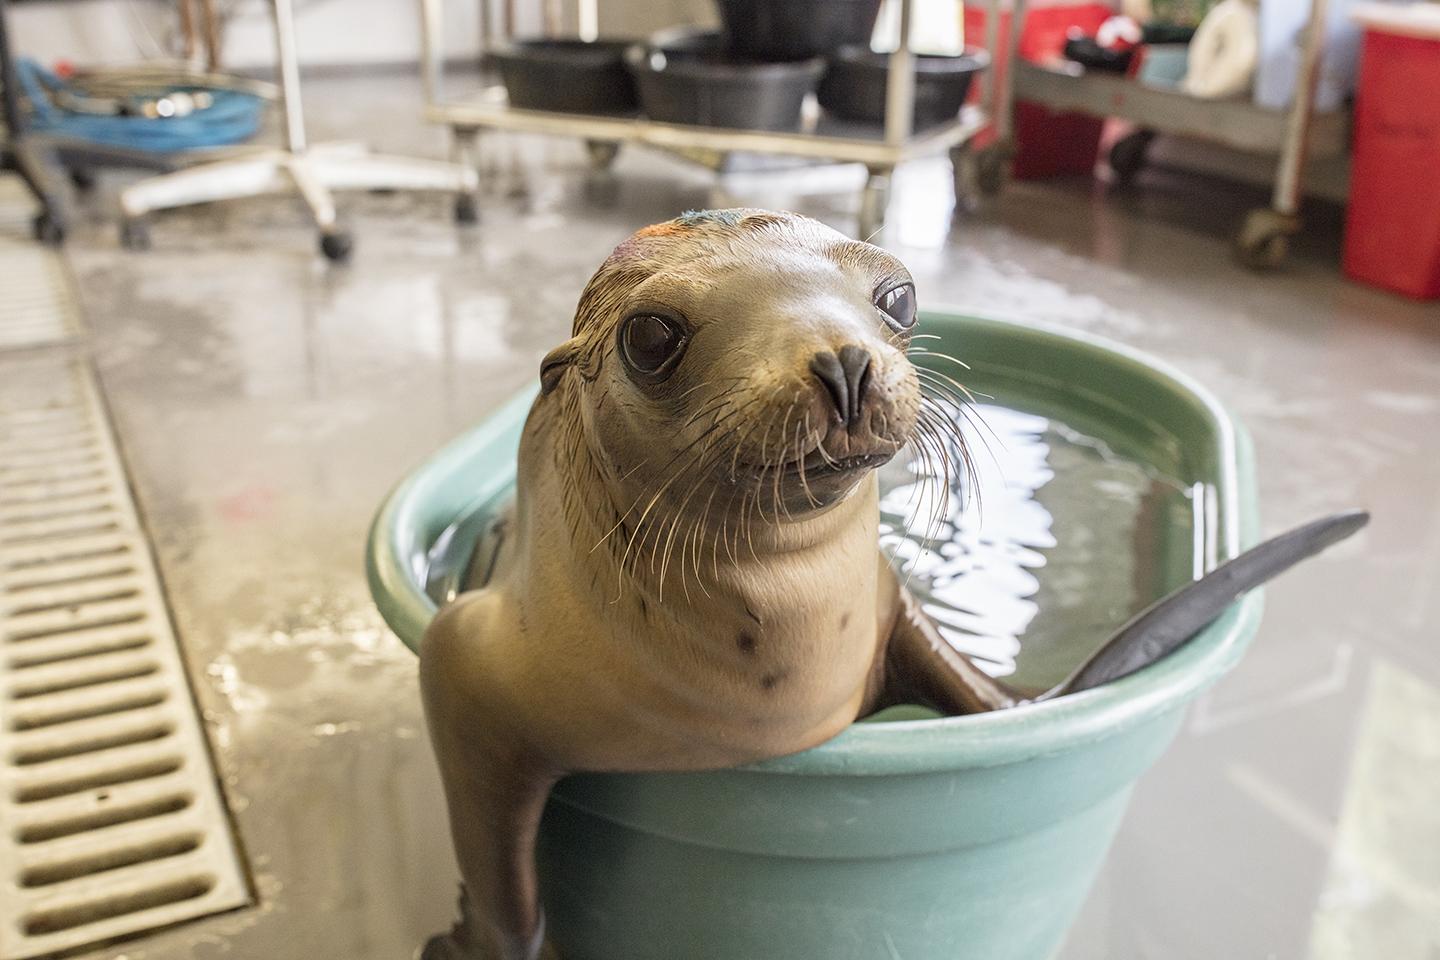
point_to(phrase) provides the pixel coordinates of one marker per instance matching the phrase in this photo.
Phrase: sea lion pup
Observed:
(693, 578)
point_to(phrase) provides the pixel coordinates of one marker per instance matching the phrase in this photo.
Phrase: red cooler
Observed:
(1392, 226)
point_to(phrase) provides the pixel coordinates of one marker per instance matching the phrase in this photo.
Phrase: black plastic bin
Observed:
(567, 76)
(695, 80)
(796, 29)
(854, 86)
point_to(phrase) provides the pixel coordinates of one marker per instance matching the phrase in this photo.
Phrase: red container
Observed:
(1392, 226)
(1047, 143)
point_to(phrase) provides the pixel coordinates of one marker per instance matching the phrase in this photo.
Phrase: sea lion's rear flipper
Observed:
(1169, 623)
(922, 668)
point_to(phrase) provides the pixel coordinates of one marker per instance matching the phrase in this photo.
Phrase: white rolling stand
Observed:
(311, 171)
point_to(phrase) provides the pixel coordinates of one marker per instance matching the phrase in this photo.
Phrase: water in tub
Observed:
(1052, 542)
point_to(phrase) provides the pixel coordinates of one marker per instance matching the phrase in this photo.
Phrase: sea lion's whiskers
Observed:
(765, 447)
(782, 459)
(968, 478)
(680, 471)
(928, 439)
(689, 446)
(825, 454)
(923, 352)
(740, 441)
(938, 468)
(945, 377)
(964, 408)
(679, 512)
(699, 468)
(957, 410)
(805, 484)
(696, 545)
(952, 428)
(705, 383)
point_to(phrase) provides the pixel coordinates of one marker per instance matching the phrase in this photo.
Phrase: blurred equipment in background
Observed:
(1224, 52)
(159, 110)
(144, 117)
(18, 150)
(1215, 104)
(1392, 227)
(312, 172)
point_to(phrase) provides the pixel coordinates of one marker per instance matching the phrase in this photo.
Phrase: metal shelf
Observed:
(880, 148)
(827, 140)
(1235, 123)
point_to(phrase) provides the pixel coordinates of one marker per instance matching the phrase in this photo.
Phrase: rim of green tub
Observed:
(398, 544)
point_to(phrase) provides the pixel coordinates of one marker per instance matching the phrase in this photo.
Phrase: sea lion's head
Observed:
(741, 359)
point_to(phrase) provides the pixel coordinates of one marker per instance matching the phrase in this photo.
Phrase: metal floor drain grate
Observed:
(111, 821)
(17, 207)
(38, 305)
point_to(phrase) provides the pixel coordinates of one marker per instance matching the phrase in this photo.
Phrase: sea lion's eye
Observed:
(898, 305)
(650, 343)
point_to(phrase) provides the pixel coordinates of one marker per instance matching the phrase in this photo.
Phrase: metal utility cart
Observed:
(1263, 239)
(880, 150)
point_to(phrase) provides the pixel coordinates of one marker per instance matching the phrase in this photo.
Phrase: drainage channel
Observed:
(111, 819)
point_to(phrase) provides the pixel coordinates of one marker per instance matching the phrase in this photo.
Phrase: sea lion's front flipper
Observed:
(921, 667)
(1167, 624)
(495, 789)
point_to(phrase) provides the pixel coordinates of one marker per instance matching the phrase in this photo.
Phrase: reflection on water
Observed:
(1064, 541)
(1058, 544)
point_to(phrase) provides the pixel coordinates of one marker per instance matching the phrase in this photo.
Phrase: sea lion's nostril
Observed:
(831, 374)
(845, 377)
(856, 363)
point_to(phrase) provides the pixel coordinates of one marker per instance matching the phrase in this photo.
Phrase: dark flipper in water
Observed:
(1166, 625)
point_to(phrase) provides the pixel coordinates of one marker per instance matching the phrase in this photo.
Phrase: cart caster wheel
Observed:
(965, 168)
(602, 153)
(991, 167)
(48, 230)
(467, 208)
(82, 179)
(1127, 156)
(336, 246)
(873, 203)
(134, 234)
(1264, 241)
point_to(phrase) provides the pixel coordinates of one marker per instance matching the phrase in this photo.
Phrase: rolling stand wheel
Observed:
(602, 153)
(1127, 156)
(1264, 240)
(965, 168)
(82, 178)
(467, 208)
(134, 234)
(991, 166)
(48, 229)
(337, 245)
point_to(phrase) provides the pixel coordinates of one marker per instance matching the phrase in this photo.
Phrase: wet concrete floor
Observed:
(266, 402)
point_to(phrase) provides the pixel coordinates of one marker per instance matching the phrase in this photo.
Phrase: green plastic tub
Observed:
(931, 839)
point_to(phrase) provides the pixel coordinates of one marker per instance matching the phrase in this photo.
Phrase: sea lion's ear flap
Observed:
(552, 368)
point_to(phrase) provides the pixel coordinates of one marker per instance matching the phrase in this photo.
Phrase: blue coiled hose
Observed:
(232, 117)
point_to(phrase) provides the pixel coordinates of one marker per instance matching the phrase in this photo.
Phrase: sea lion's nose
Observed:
(845, 377)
